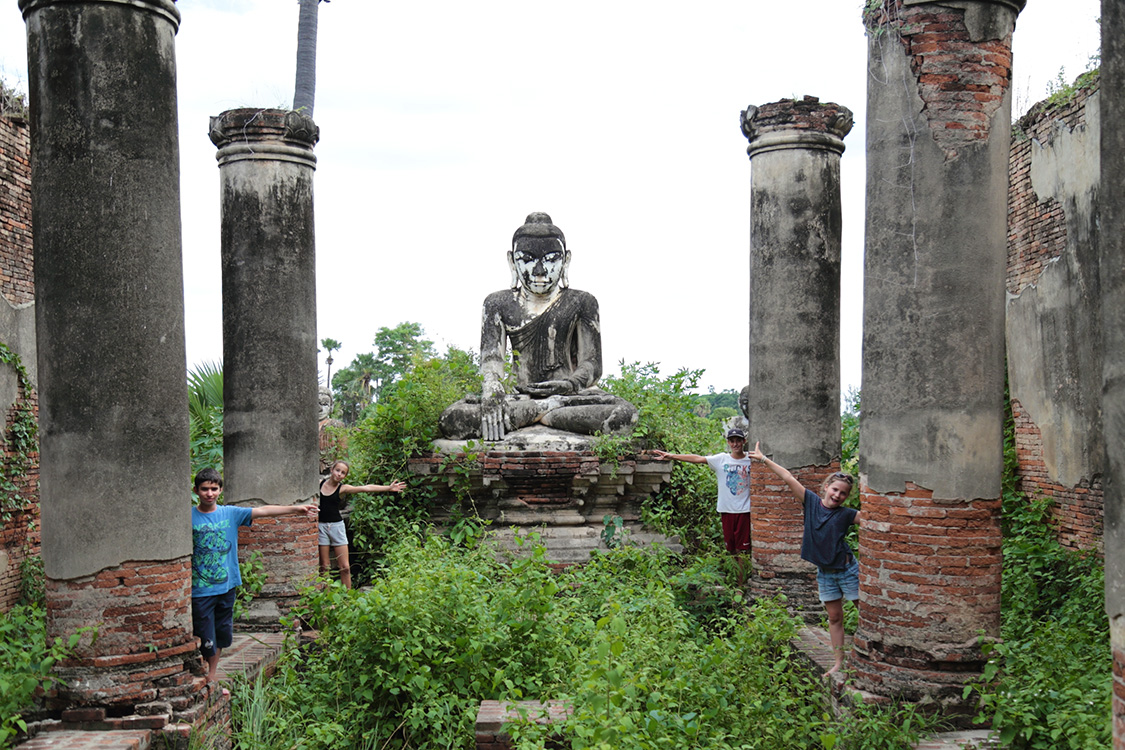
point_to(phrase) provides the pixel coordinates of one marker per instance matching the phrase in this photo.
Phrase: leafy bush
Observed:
(253, 572)
(205, 417)
(406, 663)
(1049, 682)
(26, 660)
(667, 420)
(401, 425)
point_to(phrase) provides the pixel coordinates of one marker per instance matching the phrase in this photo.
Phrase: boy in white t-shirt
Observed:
(733, 472)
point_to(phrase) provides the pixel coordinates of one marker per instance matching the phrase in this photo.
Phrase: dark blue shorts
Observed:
(212, 619)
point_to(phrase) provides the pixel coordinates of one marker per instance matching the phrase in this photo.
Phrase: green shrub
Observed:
(1049, 682)
(667, 420)
(407, 662)
(26, 659)
(402, 424)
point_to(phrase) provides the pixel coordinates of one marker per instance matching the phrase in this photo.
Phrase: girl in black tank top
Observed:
(331, 532)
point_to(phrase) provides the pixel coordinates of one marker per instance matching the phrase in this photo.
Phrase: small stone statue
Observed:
(332, 445)
(555, 337)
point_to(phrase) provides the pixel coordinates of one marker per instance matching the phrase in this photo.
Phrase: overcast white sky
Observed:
(444, 123)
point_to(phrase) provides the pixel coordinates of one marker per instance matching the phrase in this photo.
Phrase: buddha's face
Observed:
(539, 264)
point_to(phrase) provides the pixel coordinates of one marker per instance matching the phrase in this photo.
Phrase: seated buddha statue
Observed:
(551, 335)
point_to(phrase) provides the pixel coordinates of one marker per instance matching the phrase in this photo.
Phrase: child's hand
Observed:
(757, 453)
(396, 486)
(311, 511)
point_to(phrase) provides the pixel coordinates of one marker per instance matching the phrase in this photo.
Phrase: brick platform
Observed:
(564, 495)
(249, 655)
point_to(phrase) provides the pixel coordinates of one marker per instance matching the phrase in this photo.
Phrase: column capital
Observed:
(796, 123)
(273, 134)
(164, 8)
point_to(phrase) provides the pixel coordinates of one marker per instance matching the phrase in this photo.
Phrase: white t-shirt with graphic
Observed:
(734, 482)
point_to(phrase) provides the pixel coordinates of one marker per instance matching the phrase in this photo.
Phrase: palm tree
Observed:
(205, 415)
(331, 345)
(304, 93)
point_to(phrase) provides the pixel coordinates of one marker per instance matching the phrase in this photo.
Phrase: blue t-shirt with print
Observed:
(214, 549)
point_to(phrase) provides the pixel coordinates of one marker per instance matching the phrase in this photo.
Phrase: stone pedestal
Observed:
(794, 396)
(562, 495)
(938, 126)
(113, 421)
(270, 441)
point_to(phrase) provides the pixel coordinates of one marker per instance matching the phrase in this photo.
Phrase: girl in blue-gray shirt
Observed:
(823, 544)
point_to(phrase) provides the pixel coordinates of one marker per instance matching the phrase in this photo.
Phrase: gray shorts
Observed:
(331, 534)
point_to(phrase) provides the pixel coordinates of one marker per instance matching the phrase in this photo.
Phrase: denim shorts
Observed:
(839, 584)
(212, 619)
(331, 534)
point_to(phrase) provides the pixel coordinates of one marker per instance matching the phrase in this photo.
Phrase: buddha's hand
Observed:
(494, 420)
(545, 388)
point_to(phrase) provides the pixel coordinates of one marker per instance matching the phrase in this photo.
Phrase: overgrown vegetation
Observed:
(406, 662)
(403, 423)
(13, 103)
(20, 442)
(1048, 684)
(670, 420)
(26, 659)
(205, 414)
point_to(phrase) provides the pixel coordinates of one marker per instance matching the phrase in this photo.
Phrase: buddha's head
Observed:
(538, 257)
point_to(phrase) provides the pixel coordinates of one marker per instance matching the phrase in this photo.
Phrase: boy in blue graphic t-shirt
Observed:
(214, 562)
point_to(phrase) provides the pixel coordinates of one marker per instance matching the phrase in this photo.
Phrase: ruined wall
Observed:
(1053, 329)
(19, 533)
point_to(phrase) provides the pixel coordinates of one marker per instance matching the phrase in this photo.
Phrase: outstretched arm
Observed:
(266, 511)
(690, 458)
(797, 488)
(348, 489)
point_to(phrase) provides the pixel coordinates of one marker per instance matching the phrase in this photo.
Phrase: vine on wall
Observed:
(21, 443)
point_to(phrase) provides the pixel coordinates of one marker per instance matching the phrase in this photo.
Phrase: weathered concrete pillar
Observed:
(795, 227)
(1112, 220)
(938, 125)
(270, 443)
(109, 317)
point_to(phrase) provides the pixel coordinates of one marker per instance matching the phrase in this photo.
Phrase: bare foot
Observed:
(834, 670)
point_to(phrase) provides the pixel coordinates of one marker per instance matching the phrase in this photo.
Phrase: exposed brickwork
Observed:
(807, 113)
(1078, 512)
(1037, 238)
(929, 583)
(962, 82)
(144, 651)
(539, 477)
(289, 552)
(534, 487)
(493, 714)
(17, 282)
(19, 535)
(1037, 232)
(777, 520)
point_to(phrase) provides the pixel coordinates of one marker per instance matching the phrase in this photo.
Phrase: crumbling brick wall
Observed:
(1049, 241)
(19, 533)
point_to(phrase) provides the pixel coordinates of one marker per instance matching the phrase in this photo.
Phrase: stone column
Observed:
(938, 125)
(794, 397)
(1112, 219)
(270, 442)
(113, 422)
